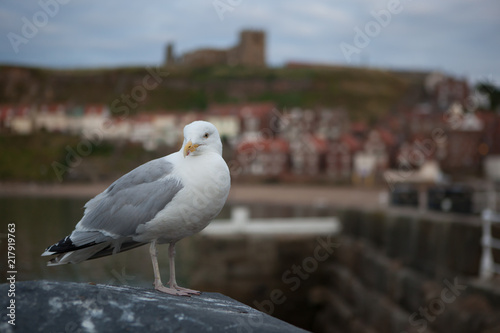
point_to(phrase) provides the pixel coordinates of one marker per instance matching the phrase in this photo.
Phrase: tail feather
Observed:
(77, 256)
(66, 251)
(65, 245)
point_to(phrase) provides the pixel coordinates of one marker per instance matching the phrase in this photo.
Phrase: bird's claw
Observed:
(177, 291)
(188, 291)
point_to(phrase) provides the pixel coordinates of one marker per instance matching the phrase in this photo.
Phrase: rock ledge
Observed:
(45, 306)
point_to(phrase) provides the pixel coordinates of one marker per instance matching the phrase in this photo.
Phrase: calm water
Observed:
(41, 222)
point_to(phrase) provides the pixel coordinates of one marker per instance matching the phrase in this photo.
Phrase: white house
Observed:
(21, 121)
(166, 129)
(227, 125)
(142, 131)
(51, 118)
(262, 157)
(94, 118)
(117, 129)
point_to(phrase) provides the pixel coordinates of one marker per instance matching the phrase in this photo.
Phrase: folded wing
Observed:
(112, 217)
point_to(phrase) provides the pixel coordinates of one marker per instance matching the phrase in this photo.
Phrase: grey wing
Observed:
(132, 200)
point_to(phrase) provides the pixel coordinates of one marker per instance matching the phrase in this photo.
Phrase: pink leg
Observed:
(158, 284)
(172, 282)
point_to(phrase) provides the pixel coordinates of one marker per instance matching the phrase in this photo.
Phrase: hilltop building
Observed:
(250, 51)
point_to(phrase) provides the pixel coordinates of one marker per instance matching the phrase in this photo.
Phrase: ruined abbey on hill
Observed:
(250, 51)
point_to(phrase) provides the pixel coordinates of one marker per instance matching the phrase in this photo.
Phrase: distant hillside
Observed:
(365, 93)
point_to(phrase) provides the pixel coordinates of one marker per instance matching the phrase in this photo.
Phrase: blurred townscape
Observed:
(436, 128)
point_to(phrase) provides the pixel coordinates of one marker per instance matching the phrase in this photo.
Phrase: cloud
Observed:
(457, 35)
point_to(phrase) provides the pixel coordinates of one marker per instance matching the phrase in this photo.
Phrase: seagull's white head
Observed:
(201, 137)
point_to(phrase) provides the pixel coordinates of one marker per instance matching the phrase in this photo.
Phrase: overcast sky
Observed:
(460, 37)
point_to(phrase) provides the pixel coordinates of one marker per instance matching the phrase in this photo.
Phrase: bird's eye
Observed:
(206, 136)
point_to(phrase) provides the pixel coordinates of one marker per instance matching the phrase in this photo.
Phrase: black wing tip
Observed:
(63, 246)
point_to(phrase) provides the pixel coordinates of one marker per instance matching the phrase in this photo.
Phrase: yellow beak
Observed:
(189, 148)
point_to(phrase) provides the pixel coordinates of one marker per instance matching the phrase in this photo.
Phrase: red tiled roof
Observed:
(351, 142)
(359, 127)
(387, 137)
(52, 108)
(22, 111)
(5, 111)
(94, 109)
(143, 118)
(257, 110)
(241, 109)
(320, 144)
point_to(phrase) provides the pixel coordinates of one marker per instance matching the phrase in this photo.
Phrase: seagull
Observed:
(159, 202)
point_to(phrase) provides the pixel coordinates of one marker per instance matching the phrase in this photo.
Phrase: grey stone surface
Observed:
(44, 306)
